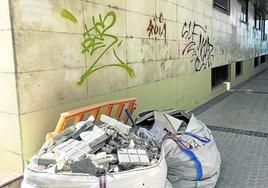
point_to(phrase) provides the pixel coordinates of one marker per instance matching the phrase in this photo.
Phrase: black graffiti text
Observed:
(198, 45)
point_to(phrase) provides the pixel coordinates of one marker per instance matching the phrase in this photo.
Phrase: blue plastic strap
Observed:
(200, 138)
(130, 117)
(199, 170)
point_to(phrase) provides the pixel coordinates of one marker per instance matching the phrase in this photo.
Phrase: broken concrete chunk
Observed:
(44, 160)
(131, 144)
(101, 169)
(73, 149)
(83, 166)
(110, 132)
(143, 157)
(62, 162)
(65, 133)
(98, 156)
(94, 136)
(145, 117)
(184, 116)
(133, 157)
(123, 157)
(118, 126)
(108, 159)
(114, 168)
(161, 117)
(113, 143)
(81, 128)
(97, 147)
(158, 131)
(176, 123)
(144, 133)
(66, 168)
(107, 149)
(89, 121)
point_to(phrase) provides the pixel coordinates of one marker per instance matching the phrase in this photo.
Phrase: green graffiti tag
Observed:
(96, 38)
(68, 15)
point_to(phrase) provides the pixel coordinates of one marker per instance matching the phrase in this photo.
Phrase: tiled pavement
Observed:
(239, 120)
(244, 161)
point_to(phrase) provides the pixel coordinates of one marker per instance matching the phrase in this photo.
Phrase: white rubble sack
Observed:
(146, 177)
(192, 158)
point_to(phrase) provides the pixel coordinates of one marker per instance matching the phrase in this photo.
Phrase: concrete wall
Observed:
(49, 59)
(10, 140)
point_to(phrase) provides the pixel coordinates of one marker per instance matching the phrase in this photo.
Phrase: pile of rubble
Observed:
(179, 150)
(98, 149)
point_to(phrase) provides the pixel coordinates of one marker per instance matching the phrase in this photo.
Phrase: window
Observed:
(222, 5)
(256, 61)
(238, 68)
(219, 75)
(263, 59)
(257, 21)
(244, 11)
(266, 28)
(263, 32)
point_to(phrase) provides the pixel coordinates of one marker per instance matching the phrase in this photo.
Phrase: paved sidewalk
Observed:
(239, 120)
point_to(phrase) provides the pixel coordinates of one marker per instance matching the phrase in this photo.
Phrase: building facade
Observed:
(183, 53)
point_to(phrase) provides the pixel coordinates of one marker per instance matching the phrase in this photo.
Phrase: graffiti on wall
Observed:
(97, 38)
(157, 27)
(198, 45)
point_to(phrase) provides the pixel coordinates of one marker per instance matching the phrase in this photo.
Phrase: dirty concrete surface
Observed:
(239, 120)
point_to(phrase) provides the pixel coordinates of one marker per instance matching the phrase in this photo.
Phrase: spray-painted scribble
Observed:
(97, 38)
(196, 143)
(157, 27)
(68, 15)
(199, 45)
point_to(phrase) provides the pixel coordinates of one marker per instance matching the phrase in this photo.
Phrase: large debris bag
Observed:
(192, 158)
(146, 177)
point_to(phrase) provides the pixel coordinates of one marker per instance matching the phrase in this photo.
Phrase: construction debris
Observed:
(83, 166)
(111, 147)
(98, 149)
(118, 126)
(44, 161)
(133, 157)
(94, 136)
